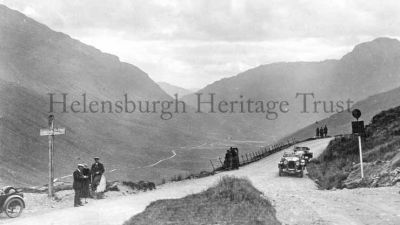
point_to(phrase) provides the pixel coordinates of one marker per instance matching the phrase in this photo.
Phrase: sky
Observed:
(192, 43)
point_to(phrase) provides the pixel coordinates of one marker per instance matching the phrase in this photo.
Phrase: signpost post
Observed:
(358, 129)
(51, 132)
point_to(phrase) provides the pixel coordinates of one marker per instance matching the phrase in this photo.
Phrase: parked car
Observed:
(291, 163)
(303, 152)
(11, 201)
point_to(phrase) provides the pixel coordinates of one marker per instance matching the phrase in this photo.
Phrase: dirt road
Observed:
(297, 200)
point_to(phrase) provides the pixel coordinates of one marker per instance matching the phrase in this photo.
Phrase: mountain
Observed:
(36, 61)
(370, 68)
(172, 89)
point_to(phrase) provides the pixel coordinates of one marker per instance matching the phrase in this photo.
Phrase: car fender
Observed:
(14, 196)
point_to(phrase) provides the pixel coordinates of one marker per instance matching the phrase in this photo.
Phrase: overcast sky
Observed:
(191, 43)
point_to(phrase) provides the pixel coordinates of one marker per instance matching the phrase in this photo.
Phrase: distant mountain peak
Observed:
(382, 47)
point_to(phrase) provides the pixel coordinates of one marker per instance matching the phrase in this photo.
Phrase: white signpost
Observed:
(51, 132)
(358, 129)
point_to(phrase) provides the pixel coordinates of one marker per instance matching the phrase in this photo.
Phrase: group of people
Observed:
(321, 132)
(231, 159)
(86, 181)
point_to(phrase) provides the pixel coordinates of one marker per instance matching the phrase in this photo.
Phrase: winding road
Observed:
(297, 200)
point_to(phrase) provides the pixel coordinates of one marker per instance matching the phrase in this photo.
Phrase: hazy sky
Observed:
(191, 43)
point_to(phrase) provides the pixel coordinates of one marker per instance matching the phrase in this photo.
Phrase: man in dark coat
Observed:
(325, 131)
(96, 172)
(235, 158)
(78, 184)
(228, 159)
(321, 132)
(85, 193)
(317, 132)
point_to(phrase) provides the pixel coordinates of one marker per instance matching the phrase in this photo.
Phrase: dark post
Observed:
(212, 166)
(51, 146)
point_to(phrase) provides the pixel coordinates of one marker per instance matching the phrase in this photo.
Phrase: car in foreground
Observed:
(291, 163)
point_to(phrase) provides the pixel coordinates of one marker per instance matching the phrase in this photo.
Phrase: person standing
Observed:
(228, 160)
(317, 132)
(325, 131)
(86, 182)
(96, 171)
(321, 132)
(235, 153)
(77, 185)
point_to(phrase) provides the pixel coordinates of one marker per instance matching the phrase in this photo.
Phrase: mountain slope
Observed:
(172, 89)
(370, 68)
(340, 123)
(36, 61)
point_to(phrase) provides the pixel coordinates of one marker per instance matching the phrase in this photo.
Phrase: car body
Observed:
(291, 163)
(303, 152)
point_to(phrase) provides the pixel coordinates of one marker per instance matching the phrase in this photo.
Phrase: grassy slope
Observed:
(382, 142)
(231, 201)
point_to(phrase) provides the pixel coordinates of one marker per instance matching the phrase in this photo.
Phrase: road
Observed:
(297, 200)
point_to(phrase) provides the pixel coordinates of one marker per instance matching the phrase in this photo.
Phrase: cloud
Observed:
(192, 43)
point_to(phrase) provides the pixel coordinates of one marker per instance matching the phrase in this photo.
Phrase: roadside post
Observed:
(359, 130)
(212, 166)
(51, 132)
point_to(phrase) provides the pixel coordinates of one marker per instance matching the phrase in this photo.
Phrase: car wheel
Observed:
(280, 173)
(13, 207)
(301, 173)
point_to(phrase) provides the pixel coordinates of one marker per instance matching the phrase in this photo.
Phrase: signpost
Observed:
(358, 129)
(51, 132)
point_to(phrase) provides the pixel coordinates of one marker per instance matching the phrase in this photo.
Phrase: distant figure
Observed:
(235, 158)
(228, 159)
(86, 182)
(77, 185)
(317, 132)
(321, 132)
(325, 131)
(96, 172)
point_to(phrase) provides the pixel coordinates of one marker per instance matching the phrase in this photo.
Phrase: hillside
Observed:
(370, 68)
(340, 123)
(338, 166)
(36, 61)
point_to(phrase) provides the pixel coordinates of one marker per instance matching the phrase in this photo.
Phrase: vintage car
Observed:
(303, 152)
(291, 163)
(11, 201)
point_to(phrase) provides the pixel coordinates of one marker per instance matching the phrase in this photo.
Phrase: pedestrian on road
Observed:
(86, 183)
(235, 158)
(77, 185)
(317, 132)
(96, 171)
(321, 132)
(325, 131)
(228, 160)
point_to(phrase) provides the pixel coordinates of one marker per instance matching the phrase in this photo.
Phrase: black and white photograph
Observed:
(199, 112)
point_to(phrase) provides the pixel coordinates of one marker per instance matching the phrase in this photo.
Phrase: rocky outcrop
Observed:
(376, 174)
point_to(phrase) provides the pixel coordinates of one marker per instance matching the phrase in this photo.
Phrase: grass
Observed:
(232, 201)
(382, 142)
